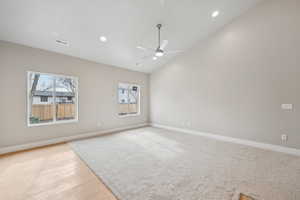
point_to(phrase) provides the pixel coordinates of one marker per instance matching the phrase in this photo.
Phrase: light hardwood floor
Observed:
(49, 173)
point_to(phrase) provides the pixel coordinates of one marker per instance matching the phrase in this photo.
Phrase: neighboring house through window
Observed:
(44, 99)
(51, 98)
(128, 99)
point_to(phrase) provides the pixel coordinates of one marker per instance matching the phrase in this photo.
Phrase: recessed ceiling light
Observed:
(103, 39)
(215, 14)
(154, 58)
(62, 42)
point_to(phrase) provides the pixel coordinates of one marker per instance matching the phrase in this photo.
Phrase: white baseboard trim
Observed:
(260, 145)
(21, 147)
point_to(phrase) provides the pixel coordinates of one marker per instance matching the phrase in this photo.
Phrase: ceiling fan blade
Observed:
(141, 48)
(164, 44)
(146, 57)
(174, 52)
(145, 48)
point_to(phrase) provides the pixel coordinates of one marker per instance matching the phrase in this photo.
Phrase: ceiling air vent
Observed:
(62, 42)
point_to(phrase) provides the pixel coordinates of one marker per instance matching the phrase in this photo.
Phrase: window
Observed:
(128, 99)
(51, 99)
(44, 99)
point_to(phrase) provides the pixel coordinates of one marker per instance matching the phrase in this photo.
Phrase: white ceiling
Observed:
(126, 24)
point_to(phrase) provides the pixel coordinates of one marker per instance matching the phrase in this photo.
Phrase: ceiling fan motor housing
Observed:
(159, 52)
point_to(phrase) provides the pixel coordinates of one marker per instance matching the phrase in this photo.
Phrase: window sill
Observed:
(53, 123)
(129, 115)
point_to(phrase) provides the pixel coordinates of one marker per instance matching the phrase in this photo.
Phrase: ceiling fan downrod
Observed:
(159, 27)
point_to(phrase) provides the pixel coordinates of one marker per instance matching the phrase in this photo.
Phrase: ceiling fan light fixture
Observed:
(159, 53)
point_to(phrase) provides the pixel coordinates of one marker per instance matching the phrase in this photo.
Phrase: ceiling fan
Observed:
(160, 50)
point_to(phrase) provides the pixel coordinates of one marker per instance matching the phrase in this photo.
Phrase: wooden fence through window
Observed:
(45, 112)
(128, 108)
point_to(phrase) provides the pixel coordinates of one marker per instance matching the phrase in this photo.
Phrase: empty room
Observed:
(150, 100)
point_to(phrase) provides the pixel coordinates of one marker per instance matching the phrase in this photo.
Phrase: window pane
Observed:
(41, 88)
(65, 98)
(123, 96)
(133, 100)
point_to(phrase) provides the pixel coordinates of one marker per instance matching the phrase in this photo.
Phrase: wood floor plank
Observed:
(49, 173)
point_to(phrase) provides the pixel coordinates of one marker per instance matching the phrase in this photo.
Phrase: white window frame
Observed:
(139, 100)
(54, 122)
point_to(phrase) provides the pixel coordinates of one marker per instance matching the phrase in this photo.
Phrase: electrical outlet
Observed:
(287, 106)
(284, 138)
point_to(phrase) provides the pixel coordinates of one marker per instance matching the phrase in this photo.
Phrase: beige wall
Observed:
(97, 94)
(234, 83)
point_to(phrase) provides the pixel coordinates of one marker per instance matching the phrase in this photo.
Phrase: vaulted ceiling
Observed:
(125, 23)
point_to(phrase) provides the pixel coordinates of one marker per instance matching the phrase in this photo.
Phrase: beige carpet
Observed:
(156, 164)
